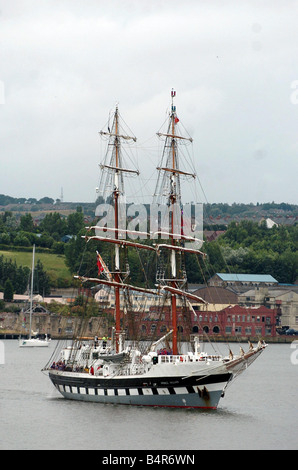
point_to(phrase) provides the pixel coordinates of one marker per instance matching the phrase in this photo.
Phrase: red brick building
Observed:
(237, 321)
(233, 321)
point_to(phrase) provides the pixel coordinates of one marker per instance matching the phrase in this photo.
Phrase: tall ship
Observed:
(116, 369)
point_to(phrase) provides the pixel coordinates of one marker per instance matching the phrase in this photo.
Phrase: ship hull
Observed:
(33, 343)
(177, 392)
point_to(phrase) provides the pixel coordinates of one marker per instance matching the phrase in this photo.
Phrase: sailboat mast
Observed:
(117, 254)
(173, 197)
(31, 293)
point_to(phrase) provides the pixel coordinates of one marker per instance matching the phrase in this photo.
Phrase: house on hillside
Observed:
(211, 235)
(67, 238)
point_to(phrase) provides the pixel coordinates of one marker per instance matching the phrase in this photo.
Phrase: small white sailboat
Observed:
(33, 342)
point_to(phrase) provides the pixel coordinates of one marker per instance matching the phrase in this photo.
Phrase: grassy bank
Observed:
(53, 264)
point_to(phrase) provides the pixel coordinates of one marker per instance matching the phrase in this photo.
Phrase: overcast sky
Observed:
(66, 63)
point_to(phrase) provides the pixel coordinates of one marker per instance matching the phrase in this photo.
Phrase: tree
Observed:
(41, 279)
(45, 240)
(8, 291)
(26, 223)
(21, 279)
(18, 275)
(75, 222)
(4, 238)
(10, 221)
(46, 200)
(254, 248)
(21, 240)
(53, 223)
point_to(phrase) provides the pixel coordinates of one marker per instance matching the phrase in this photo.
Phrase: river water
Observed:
(259, 411)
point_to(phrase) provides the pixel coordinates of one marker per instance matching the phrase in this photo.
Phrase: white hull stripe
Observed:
(136, 391)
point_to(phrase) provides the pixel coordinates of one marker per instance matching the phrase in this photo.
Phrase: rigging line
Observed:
(227, 342)
(199, 322)
(53, 355)
(142, 143)
(160, 309)
(107, 124)
(218, 244)
(120, 116)
(142, 266)
(222, 253)
(188, 161)
(129, 157)
(186, 131)
(165, 121)
(210, 370)
(198, 258)
(192, 158)
(146, 181)
(85, 247)
(206, 269)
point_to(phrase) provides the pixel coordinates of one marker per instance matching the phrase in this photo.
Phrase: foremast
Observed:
(112, 187)
(115, 165)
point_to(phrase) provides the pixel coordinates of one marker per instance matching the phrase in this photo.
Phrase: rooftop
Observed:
(247, 277)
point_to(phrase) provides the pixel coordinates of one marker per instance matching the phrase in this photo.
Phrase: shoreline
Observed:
(280, 339)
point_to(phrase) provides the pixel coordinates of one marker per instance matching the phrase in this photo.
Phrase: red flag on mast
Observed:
(99, 264)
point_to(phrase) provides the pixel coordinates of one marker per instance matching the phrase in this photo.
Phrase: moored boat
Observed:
(33, 341)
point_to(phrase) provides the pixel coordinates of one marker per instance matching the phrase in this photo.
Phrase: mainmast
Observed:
(116, 207)
(170, 182)
(173, 200)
